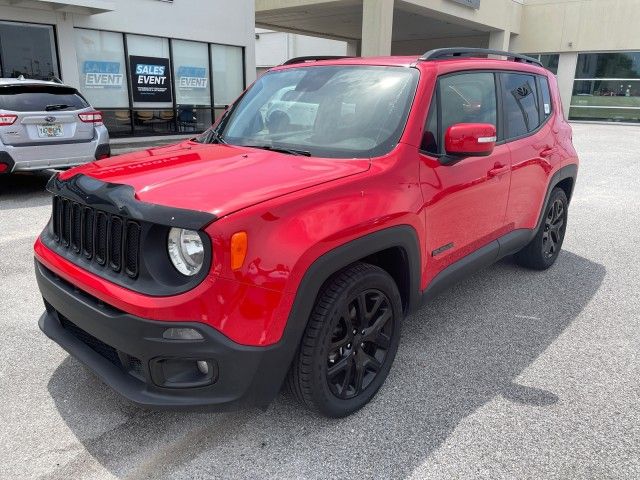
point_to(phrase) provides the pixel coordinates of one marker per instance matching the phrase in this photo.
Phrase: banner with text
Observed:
(100, 74)
(150, 79)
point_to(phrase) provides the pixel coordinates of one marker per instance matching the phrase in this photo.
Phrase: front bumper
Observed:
(126, 352)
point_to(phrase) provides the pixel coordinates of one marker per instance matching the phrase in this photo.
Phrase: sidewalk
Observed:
(131, 144)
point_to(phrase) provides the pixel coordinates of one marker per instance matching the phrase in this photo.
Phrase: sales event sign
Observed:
(99, 74)
(191, 78)
(150, 79)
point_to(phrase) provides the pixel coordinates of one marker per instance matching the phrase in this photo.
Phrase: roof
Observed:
(29, 81)
(444, 64)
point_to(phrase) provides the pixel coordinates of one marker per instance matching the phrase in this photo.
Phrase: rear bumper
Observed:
(128, 353)
(40, 157)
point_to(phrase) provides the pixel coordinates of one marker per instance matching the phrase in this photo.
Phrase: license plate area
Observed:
(49, 130)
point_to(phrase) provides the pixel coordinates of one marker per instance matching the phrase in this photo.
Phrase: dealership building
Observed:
(153, 67)
(593, 46)
(159, 67)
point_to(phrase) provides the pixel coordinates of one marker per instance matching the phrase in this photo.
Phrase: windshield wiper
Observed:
(56, 106)
(213, 136)
(289, 151)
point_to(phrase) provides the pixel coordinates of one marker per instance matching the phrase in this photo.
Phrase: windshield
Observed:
(335, 111)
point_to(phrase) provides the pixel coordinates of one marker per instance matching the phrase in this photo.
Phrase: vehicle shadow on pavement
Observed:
(464, 349)
(23, 190)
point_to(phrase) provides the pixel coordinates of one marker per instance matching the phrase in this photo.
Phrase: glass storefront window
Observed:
(608, 65)
(27, 49)
(103, 75)
(154, 122)
(191, 73)
(607, 87)
(228, 73)
(161, 86)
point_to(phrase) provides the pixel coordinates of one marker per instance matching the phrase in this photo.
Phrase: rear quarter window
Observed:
(547, 106)
(40, 98)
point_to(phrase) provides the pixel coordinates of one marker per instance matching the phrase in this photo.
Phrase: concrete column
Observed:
(69, 72)
(566, 74)
(353, 48)
(499, 40)
(377, 26)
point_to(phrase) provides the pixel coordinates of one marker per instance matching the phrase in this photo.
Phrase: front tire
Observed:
(544, 248)
(349, 343)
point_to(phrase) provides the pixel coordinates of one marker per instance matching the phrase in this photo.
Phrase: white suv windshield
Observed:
(335, 111)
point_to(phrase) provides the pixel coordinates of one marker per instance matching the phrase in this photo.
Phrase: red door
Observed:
(465, 201)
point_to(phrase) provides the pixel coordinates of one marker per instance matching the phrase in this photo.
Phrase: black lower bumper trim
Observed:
(8, 161)
(122, 348)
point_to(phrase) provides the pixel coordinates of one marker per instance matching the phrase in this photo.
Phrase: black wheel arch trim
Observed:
(568, 171)
(321, 270)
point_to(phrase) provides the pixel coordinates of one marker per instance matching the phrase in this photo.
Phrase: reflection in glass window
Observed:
(467, 98)
(332, 111)
(27, 49)
(521, 106)
(102, 69)
(228, 75)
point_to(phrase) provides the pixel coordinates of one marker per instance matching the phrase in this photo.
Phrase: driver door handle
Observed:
(498, 169)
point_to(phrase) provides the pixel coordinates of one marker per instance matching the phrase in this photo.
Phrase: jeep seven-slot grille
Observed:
(109, 240)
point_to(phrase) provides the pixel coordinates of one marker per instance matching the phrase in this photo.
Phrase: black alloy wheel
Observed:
(543, 249)
(350, 341)
(359, 343)
(554, 227)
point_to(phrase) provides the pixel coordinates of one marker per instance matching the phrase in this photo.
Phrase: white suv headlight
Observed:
(186, 250)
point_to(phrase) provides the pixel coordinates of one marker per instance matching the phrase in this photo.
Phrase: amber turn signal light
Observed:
(238, 249)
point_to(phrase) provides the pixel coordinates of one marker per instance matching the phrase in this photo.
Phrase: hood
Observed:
(218, 179)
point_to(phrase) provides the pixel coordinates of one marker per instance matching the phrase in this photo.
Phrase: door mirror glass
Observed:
(470, 139)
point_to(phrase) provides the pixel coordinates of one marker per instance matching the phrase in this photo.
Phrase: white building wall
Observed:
(273, 48)
(213, 21)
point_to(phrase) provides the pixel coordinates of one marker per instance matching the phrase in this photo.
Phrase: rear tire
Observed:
(543, 250)
(350, 341)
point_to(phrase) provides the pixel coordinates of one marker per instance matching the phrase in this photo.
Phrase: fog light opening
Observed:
(203, 367)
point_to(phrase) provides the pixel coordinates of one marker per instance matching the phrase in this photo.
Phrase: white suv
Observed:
(47, 125)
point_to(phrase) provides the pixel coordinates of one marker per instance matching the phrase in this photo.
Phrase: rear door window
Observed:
(521, 104)
(40, 98)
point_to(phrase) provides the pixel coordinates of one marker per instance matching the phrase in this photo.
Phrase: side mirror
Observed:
(470, 139)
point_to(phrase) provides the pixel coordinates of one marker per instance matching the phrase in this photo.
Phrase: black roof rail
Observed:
(441, 53)
(314, 58)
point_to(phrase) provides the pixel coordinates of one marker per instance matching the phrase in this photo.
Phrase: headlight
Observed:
(185, 250)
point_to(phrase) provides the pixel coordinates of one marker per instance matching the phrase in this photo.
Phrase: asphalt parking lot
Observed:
(511, 374)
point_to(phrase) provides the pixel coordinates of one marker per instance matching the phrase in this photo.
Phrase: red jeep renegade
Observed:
(287, 243)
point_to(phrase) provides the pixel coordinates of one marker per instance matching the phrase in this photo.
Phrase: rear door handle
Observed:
(498, 169)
